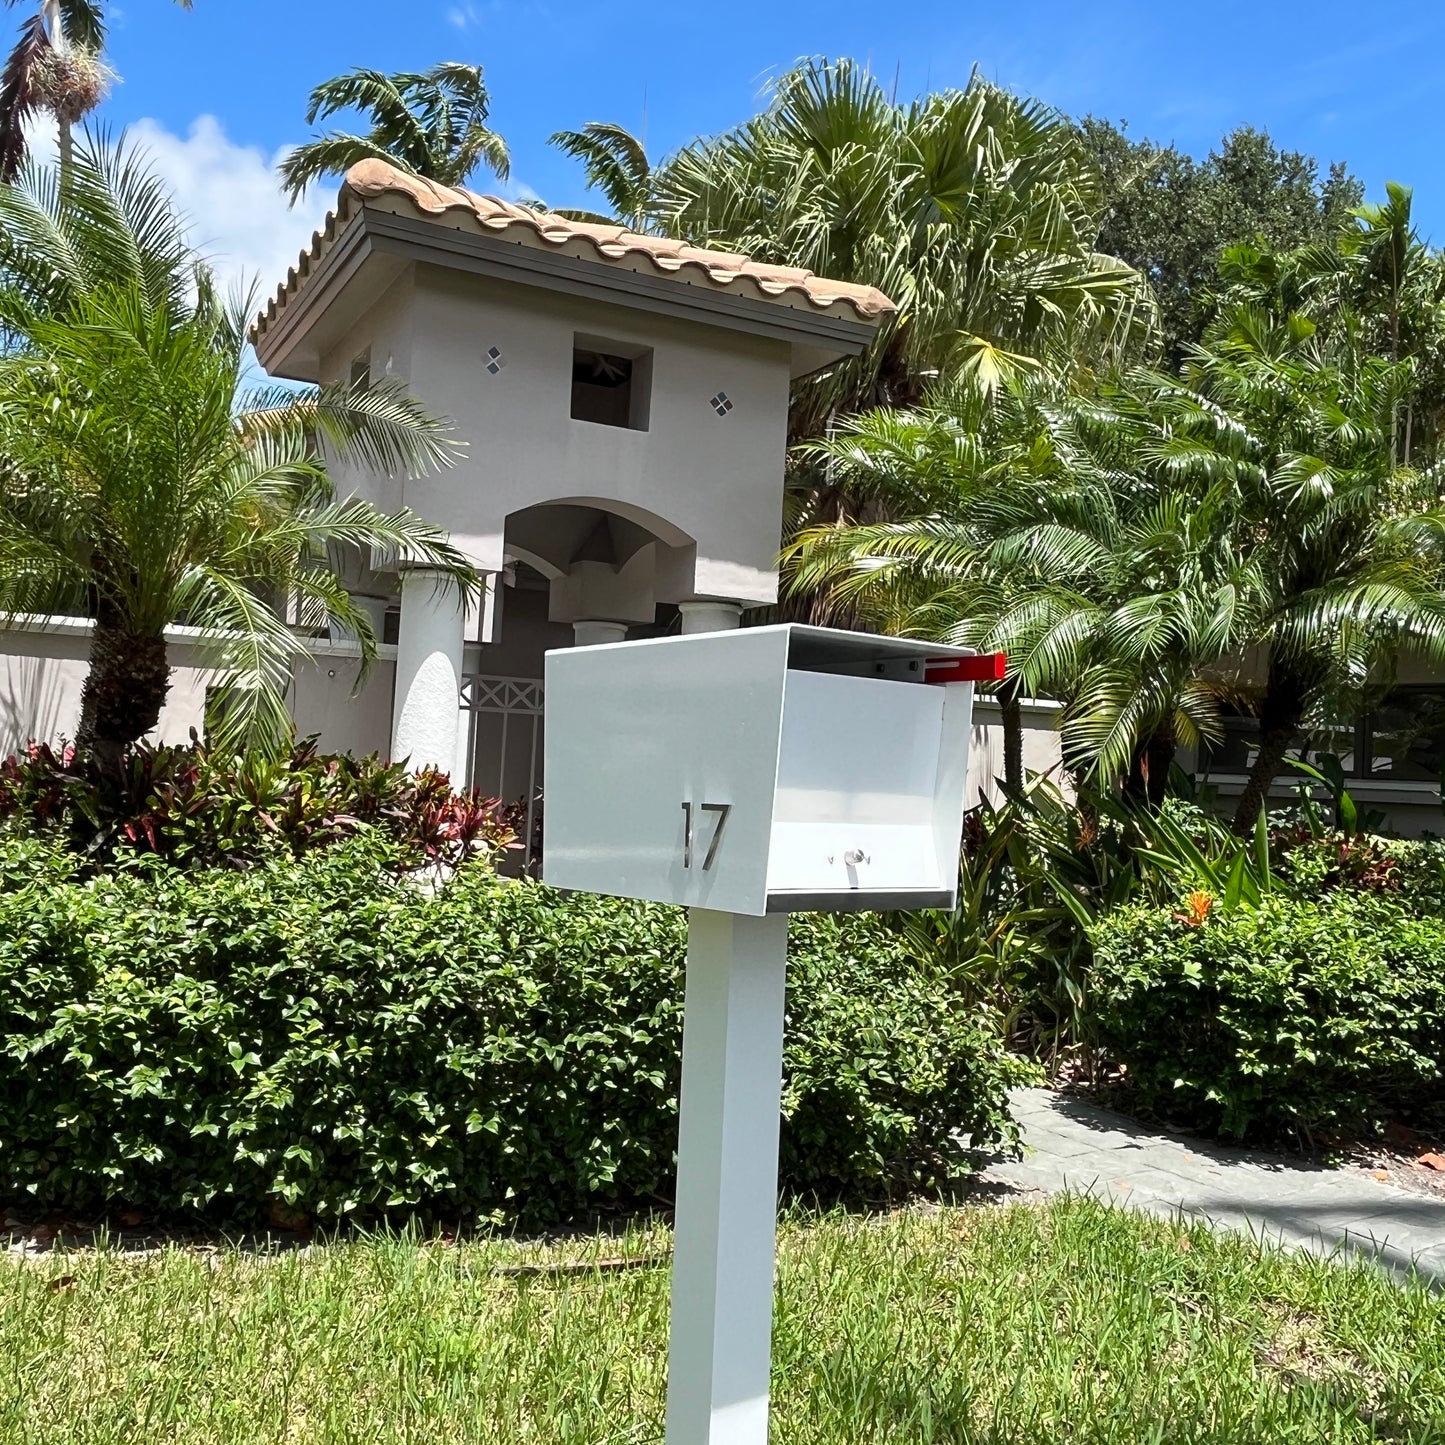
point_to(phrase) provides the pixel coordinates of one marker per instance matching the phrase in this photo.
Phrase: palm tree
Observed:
(1379, 290)
(56, 65)
(142, 484)
(431, 123)
(1348, 544)
(616, 164)
(974, 210)
(1019, 522)
(924, 572)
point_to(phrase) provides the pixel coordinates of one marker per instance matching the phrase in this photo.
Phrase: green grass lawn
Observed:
(1069, 1322)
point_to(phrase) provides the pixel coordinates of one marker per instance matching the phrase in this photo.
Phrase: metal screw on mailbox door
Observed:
(854, 856)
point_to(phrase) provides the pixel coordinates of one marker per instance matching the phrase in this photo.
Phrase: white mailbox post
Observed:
(747, 775)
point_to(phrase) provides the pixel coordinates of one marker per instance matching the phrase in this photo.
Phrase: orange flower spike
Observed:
(1198, 903)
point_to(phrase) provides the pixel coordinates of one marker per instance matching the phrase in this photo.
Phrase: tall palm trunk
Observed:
(1011, 714)
(1148, 781)
(124, 690)
(60, 43)
(1281, 712)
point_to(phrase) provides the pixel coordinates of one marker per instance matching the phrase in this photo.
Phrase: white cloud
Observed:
(230, 195)
(469, 12)
(41, 141)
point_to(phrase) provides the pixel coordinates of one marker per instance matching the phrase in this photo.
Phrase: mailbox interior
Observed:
(868, 801)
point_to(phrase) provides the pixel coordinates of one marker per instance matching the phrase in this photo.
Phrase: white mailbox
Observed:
(767, 770)
(749, 775)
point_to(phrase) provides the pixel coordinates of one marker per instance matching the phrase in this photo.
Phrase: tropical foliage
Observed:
(1346, 540)
(1129, 547)
(1172, 217)
(197, 807)
(1280, 986)
(430, 123)
(1022, 522)
(616, 164)
(226, 1041)
(1377, 290)
(1294, 1019)
(146, 485)
(974, 210)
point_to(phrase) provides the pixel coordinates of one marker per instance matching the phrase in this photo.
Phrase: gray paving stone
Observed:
(1430, 1263)
(1060, 1145)
(1075, 1146)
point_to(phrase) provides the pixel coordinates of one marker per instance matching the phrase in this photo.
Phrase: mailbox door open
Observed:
(857, 787)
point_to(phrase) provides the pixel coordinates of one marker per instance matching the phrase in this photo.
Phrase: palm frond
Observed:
(378, 427)
(18, 96)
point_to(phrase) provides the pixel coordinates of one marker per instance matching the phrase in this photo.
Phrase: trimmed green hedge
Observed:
(315, 1032)
(1301, 1017)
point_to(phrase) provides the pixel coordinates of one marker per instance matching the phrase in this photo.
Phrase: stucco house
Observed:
(624, 401)
(1392, 752)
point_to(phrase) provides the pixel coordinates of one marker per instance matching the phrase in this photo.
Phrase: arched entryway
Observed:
(578, 570)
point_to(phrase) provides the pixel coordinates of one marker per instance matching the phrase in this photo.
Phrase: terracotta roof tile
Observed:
(373, 182)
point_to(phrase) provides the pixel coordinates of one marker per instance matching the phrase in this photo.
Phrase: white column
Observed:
(589, 632)
(700, 616)
(461, 769)
(727, 1180)
(428, 671)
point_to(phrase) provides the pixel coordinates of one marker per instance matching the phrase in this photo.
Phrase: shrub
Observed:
(318, 1032)
(200, 809)
(1299, 1017)
(29, 860)
(1043, 870)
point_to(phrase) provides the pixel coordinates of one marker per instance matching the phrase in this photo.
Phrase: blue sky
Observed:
(218, 92)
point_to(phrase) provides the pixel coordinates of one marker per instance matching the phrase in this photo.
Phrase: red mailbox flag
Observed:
(986, 667)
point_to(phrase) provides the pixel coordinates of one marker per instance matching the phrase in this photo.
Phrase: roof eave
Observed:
(819, 336)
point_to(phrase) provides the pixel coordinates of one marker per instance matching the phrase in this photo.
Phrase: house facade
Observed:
(1391, 752)
(623, 401)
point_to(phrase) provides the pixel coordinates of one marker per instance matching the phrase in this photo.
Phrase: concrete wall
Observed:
(384, 333)
(985, 756)
(324, 701)
(42, 671)
(716, 481)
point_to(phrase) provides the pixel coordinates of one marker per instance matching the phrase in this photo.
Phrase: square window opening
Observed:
(611, 383)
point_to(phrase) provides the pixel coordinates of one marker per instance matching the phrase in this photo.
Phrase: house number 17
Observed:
(720, 812)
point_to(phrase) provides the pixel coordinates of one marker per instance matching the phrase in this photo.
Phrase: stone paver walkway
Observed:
(1077, 1146)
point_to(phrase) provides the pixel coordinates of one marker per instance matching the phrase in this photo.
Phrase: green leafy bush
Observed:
(318, 1032)
(26, 859)
(1302, 1017)
(1042, 871)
